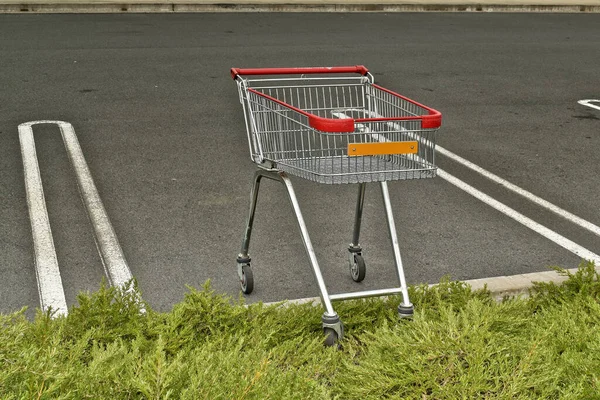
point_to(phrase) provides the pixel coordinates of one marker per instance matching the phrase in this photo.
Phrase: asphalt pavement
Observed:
(160, 124)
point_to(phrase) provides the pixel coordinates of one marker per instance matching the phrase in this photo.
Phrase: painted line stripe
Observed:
(595, 229)
(587, 103)
(111, 254)
(50, 287)
(109, 248)
(528, 222)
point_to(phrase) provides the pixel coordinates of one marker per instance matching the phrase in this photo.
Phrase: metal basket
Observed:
(338, 130)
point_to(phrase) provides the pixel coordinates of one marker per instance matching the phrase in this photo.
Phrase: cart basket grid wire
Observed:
(339, 131)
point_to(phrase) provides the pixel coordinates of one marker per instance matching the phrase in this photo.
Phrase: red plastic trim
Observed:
(432, 120)
(359, 69)
(331, 124)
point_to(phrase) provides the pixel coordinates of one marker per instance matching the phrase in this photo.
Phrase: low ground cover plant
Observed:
(460, 344)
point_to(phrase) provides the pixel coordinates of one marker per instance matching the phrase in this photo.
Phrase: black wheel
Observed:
(247, 281)
(406, 311)
(358, 269)
(331, 337)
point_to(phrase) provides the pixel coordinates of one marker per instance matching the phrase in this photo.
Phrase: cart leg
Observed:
(356, 261)
(331, 321)
(243, 259)
(405, 309)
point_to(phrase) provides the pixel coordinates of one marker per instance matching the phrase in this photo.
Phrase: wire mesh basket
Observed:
(338, 129)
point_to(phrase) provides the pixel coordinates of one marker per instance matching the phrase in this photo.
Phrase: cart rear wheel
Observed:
(247, 281)
(358, 269)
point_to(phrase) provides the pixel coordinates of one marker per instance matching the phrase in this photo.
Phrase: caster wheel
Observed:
(331, 337)
(247, 282)
(358, 269)
(406, 311)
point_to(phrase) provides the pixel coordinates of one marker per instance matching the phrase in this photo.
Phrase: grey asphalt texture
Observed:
(160, 124)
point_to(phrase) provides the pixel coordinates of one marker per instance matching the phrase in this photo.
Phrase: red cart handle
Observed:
(359, 69)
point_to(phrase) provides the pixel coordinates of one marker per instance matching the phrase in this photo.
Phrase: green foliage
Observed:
(583, 283)
(454, 294)
(460, 344)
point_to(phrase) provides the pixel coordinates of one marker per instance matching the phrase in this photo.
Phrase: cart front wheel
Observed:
(247, 281)
(358, 269)
(331, 337)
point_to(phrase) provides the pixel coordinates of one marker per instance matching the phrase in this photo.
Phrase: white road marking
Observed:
(50, 287)
(595, 229)
(528, 195)
(111, 254)
(528, 222)
(587, 103)
(109, 248)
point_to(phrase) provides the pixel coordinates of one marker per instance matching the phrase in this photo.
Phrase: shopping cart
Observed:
(333, 125)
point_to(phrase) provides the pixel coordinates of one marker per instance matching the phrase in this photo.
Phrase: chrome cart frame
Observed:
(331, 126)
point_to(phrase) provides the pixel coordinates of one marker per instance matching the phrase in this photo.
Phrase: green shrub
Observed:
(460, 344)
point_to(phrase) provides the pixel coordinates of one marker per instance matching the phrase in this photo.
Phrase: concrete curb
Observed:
(13, 7)
(500, 287)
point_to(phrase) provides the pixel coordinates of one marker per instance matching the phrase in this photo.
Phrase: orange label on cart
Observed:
(374, 149)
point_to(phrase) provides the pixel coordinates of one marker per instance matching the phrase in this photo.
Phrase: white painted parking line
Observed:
(588, 103)
(50, 287)
(109, 248)
(111, 254)
(528, 222)
(595, 229)
(528, 195)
